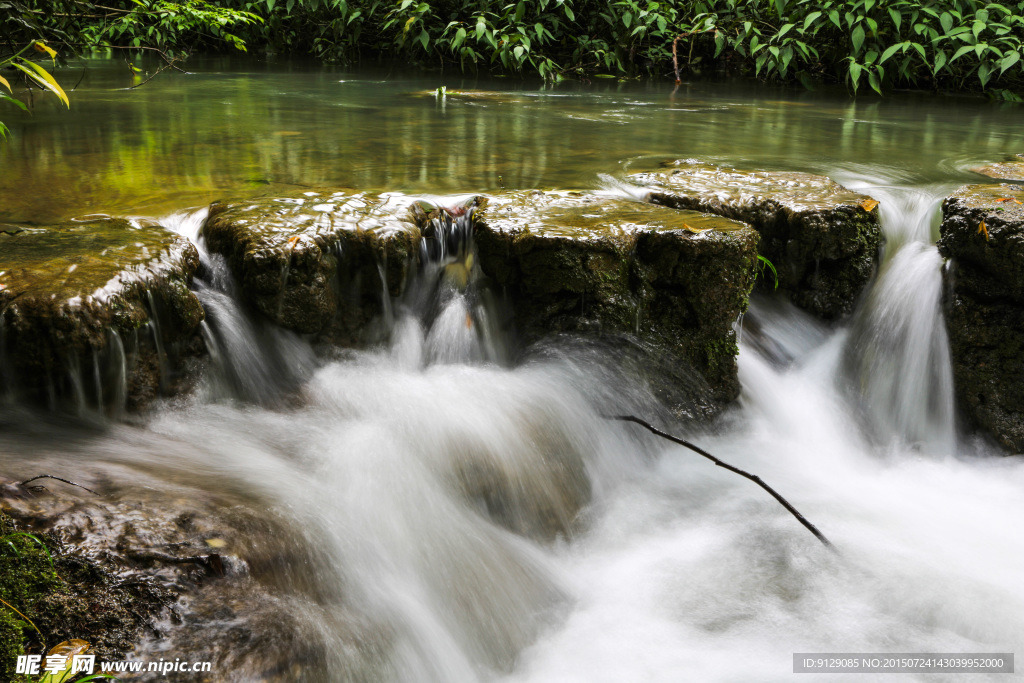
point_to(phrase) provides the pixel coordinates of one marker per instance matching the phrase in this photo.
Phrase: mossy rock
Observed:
(67, 291)
(316, 262)
(66, 595)
(583, 264)
(822, 238)
(985, 306)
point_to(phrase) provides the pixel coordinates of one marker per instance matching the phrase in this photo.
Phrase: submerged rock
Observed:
(982, 233)
(1011, 169)
(96, 312)
(317, 262)
(587, 265)
(822, 238)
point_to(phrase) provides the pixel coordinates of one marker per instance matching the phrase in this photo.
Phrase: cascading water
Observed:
(898, 348)
(475, 522)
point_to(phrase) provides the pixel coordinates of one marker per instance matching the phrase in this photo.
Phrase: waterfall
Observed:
(898, 348)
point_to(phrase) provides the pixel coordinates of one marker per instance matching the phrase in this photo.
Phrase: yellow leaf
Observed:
(43, 78)
(693, 229)
(68, 649)
(983, 229)
(869, 204)
(4, 81)
(42, 47)
(216, 542)
(408, 25)
(292, 241)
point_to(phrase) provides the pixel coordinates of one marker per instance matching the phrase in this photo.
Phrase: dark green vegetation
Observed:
(982, 231)
(946, 44)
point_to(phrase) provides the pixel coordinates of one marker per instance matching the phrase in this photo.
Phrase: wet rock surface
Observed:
(669, 283)
(982, 233)
(158, 570)
(96, 313)
(1010, 169)
(822, 238)
(317, 262)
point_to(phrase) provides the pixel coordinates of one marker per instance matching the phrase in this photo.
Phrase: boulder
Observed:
(982, 233)
(822, 238)
(587, 265)
(97, 313)
(317, 262)
(1010, 169)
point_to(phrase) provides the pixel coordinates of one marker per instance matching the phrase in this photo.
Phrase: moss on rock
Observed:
(67, 291)
(985, 306)
(822, 238)
(588, 265)
(316, 262)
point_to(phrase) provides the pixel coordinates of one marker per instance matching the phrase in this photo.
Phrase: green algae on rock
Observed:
(96, 311)
(822, 238)
(982, 233)
(66, 595)
(287, 251)
(589, 265)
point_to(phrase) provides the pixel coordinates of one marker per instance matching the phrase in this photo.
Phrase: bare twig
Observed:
(50, 476)
(675, 54)
(752, 477)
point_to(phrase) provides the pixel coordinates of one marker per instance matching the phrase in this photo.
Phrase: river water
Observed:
(364, 463)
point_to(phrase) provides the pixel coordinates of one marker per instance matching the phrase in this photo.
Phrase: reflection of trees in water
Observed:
(184, 140)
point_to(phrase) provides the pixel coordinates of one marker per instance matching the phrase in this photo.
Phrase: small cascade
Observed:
(898, 351)
(251, 359)
(445, 297)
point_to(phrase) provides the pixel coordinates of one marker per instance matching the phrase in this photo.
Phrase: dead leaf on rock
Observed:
(869, 204)
(984, 230)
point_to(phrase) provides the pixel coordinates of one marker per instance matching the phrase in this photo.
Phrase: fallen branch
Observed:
(50, 476)
(752, 477)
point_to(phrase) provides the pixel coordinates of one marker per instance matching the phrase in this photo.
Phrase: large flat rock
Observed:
(822, 238)
(589, 265)
(316, 262)
(97, 311)
(985, 306)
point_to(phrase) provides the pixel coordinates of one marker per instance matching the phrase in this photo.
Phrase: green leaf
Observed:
(784, 30)
(855, 70)
(961, 52)
(940, 61)
(424, 38)
(460, 36)
(984, 73)
(1009, 60)
(897, 18)
(569, 13)
(873, 82)
(833, 16)
(890, 51)
(627, 19)
(857, 38)
(946, 20)
(43, 78)
(810, 19)
(978, 27)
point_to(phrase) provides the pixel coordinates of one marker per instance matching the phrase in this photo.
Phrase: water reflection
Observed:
(186, 139)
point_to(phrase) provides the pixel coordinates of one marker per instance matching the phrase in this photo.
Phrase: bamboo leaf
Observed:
(43, 78)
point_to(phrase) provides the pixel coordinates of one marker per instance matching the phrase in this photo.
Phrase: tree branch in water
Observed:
(752, 477)
(50, 476)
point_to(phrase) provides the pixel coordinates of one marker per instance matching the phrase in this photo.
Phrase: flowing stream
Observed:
(606, 554)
